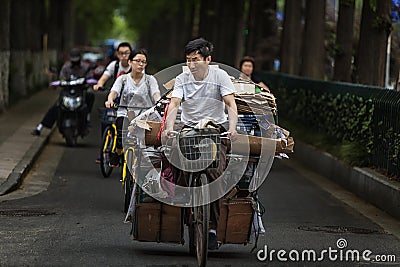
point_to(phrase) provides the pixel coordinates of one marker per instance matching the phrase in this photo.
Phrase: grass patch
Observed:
(351, 153)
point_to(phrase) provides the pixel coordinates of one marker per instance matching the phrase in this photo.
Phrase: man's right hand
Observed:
(109, 104)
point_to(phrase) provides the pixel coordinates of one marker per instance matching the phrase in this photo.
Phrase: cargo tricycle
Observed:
(157, 215)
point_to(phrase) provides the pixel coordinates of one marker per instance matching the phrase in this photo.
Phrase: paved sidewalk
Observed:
(18, 148)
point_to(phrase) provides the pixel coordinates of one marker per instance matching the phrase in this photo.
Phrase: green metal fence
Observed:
(386, 153)
(385, 122)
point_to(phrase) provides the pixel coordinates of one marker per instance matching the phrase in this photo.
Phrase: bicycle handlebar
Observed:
(102, 88)
(172, 134)
(75, 82)
(125, 106)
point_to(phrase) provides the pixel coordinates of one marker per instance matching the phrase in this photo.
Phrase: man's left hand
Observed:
(233, 134)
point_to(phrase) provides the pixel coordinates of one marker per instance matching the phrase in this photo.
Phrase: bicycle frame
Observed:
(200, 150)
(114, 126)
(124, 166)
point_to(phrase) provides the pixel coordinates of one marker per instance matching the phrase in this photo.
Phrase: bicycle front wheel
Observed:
(105, 151)
(202, 218)
(128, 179)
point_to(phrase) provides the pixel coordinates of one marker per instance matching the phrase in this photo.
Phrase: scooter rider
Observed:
(74, 67)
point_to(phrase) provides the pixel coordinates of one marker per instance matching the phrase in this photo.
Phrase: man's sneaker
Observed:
(98, 161)
(114, 160)
(212, 241)
(35, 132)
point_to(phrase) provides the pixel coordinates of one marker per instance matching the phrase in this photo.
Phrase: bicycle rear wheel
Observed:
(202, 218)
(105, 151)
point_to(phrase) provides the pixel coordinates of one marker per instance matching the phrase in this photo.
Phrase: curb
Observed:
(16, 177)
(364, 182)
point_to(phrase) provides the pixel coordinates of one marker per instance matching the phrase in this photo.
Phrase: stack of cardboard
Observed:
(258, 103)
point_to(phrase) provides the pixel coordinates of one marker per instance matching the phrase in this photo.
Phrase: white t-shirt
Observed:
(110, 70)
(135, 94)
(202, 99)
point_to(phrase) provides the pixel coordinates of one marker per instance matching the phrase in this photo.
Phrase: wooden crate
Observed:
(147, 222)
(235, 220)
(171, 224)
(157, 222)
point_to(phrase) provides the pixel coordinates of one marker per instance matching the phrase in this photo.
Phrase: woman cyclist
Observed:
(135, 89)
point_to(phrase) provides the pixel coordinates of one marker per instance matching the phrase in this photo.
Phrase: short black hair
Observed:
(138, 51)
(124, 44)
(202, 46)
(247, 59)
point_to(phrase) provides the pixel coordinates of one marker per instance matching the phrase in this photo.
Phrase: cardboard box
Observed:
(151, 133)
(157, 222)
(285, 146)
(252, 145)
(147, 222)
(171, 224)
(248, 88)
(235, 220)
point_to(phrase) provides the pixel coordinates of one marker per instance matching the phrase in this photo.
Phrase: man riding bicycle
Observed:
(204, 92)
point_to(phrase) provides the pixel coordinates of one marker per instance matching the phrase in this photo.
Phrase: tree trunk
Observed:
(291, 37)
(5, 9)
(344, 41)
(230, 31)
(179, 21)
(180, 30)
(313, 62)
(19, 44)
(34, 59)
(81, 36)
(60, 30)
(221, 23)
(375, 28)
(209, 19)
(262, 40)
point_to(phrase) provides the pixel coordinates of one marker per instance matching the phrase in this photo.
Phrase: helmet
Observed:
(75, 55)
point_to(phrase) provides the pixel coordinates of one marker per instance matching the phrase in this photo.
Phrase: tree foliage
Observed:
(140, 13)
(96, 16)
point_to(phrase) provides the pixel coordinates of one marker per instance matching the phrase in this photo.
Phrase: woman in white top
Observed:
(135, 89)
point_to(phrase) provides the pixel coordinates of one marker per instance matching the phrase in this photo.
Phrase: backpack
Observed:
(116, 69)
(122, 89)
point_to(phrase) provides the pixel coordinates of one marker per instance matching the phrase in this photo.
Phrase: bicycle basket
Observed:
(199, 148)
(110, 115)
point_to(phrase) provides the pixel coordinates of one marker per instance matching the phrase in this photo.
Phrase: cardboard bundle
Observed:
(258, 103)
(252, 145)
